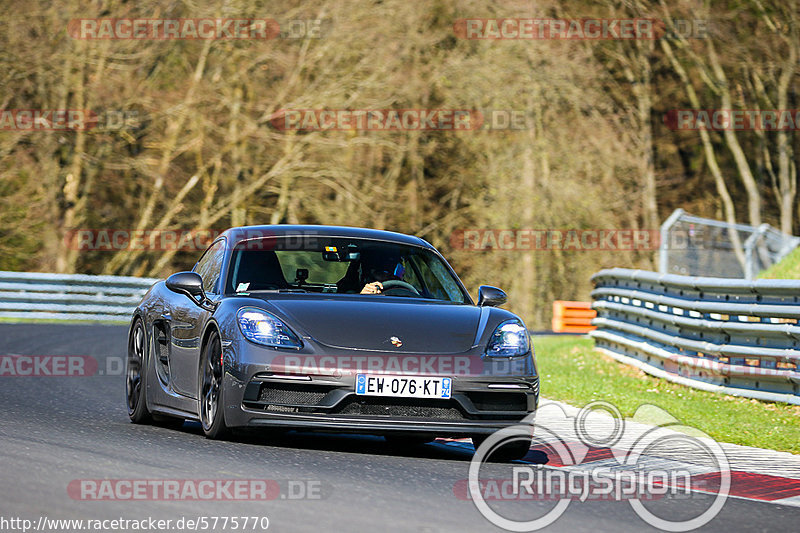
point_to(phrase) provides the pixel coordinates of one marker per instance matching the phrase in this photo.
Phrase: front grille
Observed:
(499, 401)
(275, 393)
(401, 408)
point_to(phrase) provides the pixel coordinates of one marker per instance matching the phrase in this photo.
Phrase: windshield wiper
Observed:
(292, 290)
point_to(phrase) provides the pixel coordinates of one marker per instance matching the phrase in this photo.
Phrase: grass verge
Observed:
(573, 372)
(788, 268)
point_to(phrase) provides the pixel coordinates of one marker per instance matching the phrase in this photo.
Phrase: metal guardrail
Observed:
(734, 336)
(70, 296)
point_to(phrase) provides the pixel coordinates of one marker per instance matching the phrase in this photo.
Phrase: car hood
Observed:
(370, 323)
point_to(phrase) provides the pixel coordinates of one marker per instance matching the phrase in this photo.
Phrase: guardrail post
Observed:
(663, 247)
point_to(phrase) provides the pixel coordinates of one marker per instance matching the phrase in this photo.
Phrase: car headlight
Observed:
(263, 328)
(510, 339)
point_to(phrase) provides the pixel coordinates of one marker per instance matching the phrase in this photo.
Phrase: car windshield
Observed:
(340, 266)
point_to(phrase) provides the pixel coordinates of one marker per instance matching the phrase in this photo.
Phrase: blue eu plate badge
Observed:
(446, 382)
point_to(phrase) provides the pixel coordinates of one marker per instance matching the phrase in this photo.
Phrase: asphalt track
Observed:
(55, 430)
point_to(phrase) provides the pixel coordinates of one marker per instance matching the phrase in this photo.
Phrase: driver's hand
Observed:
(372, 288)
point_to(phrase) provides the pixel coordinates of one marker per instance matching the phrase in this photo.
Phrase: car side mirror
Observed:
(491, 296)
(190, 284)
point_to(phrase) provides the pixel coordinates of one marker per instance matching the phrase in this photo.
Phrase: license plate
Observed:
(403, 386)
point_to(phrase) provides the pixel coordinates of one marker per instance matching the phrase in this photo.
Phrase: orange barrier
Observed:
(573, 317)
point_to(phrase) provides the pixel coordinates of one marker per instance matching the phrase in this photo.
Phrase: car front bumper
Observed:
(256, 397)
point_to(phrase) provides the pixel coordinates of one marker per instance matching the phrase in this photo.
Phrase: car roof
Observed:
(235, 235)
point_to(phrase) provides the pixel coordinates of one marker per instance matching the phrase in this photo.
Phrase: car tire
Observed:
(136, 375)
(212, 391)
(517, 449)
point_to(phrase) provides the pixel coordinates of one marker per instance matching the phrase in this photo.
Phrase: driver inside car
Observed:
(380, 269)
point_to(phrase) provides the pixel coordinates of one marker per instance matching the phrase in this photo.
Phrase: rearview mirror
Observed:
(491, 296)
(190, 284)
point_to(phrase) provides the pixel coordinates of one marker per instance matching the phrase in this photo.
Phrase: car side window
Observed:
(210, 266)
(438, 282)
(410, 274)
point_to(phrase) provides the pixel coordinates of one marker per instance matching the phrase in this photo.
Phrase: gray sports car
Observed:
(328, 328)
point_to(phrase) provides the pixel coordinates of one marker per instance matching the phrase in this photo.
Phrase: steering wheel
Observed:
(398, 284)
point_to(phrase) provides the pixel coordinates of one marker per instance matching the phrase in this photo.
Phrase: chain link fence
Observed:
(696, 246)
